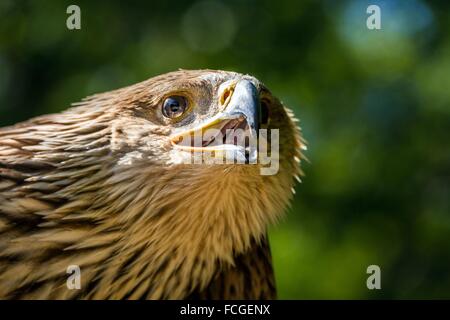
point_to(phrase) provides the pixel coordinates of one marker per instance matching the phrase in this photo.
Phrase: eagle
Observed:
(106, 186)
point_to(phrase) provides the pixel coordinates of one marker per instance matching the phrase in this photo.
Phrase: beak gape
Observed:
(232, 133)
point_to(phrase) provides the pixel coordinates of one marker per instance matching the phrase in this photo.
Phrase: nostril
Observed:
(226, 95)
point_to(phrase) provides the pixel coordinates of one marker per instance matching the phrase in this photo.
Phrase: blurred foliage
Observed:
(374, 106)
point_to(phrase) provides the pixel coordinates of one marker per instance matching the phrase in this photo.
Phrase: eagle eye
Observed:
(174, 106)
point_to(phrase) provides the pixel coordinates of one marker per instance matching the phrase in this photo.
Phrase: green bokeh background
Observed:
(374, 107)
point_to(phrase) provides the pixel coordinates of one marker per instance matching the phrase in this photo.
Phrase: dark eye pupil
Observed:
(174, 106)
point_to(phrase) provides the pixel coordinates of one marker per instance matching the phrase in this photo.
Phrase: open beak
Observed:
(232, 130)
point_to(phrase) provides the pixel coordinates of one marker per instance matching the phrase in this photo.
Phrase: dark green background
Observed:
(374, 107)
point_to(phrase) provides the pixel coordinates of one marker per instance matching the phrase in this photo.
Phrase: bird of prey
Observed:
(105, 186)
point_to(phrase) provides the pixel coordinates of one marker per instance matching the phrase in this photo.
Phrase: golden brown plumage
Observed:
(99, 186)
